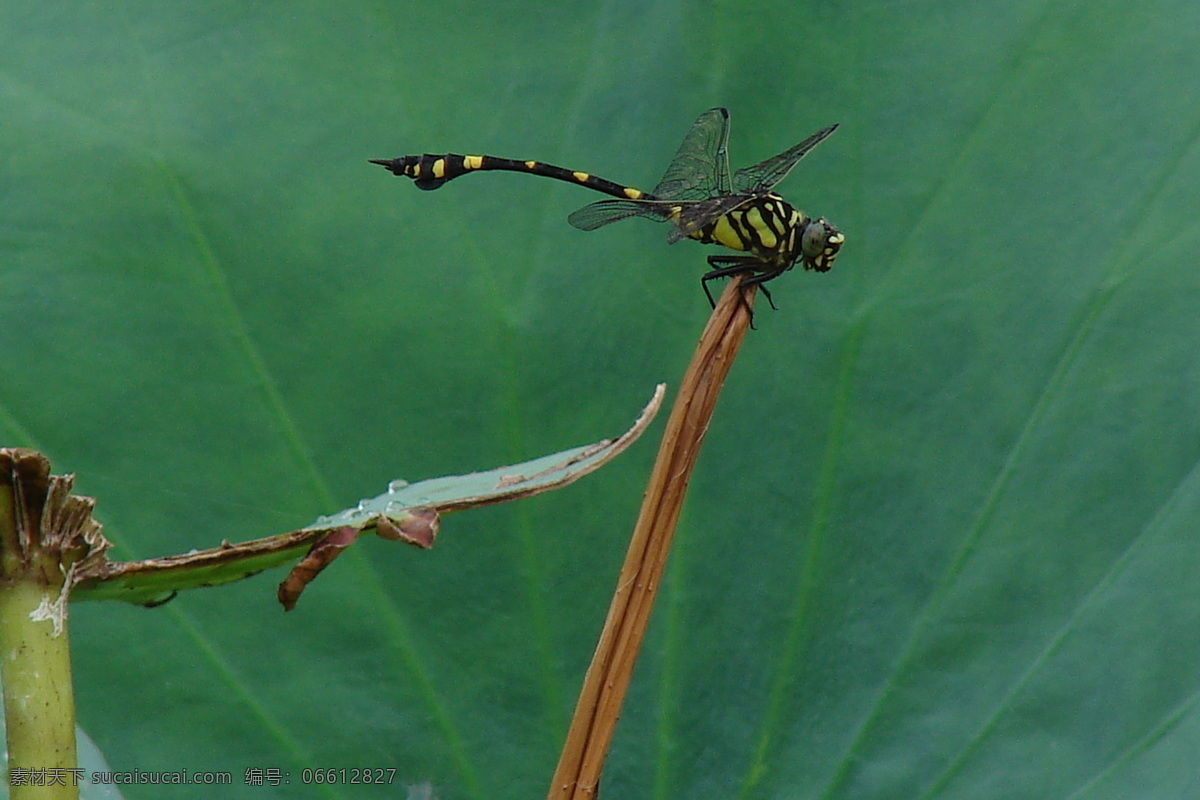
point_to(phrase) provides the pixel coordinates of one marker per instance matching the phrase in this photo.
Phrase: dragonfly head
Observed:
(819, 244)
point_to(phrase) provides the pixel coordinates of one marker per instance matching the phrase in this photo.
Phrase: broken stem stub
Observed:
(45, 534)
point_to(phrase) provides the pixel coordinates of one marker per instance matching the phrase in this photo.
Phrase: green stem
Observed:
(39, 710)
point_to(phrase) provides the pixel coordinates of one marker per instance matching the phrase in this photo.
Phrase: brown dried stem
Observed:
(608, 676)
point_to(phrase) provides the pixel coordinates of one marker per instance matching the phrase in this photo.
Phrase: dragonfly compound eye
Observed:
(820, 244)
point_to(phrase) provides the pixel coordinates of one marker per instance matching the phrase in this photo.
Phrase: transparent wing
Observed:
(687, 216)
(700, 169)
(605, 212)
(696, 214)
(763, 176)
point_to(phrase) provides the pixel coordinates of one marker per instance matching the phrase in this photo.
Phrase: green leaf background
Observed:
(942, 542)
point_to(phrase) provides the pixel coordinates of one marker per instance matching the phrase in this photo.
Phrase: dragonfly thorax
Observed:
(775, 232)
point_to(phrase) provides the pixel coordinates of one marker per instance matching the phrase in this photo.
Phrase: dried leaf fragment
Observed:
(320, 556)
(419, 526)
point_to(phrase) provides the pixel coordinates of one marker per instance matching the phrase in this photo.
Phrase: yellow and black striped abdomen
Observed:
(430, 171)
(765, 226)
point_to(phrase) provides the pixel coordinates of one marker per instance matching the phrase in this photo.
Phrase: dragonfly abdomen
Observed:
(430, 171)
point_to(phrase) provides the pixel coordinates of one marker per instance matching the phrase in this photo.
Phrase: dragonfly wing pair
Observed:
(697, 188)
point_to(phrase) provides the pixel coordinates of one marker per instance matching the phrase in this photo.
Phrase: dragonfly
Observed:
(697, 196)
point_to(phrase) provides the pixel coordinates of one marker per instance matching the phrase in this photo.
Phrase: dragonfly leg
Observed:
(760, 279)
(725, 266)
(762, 287)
